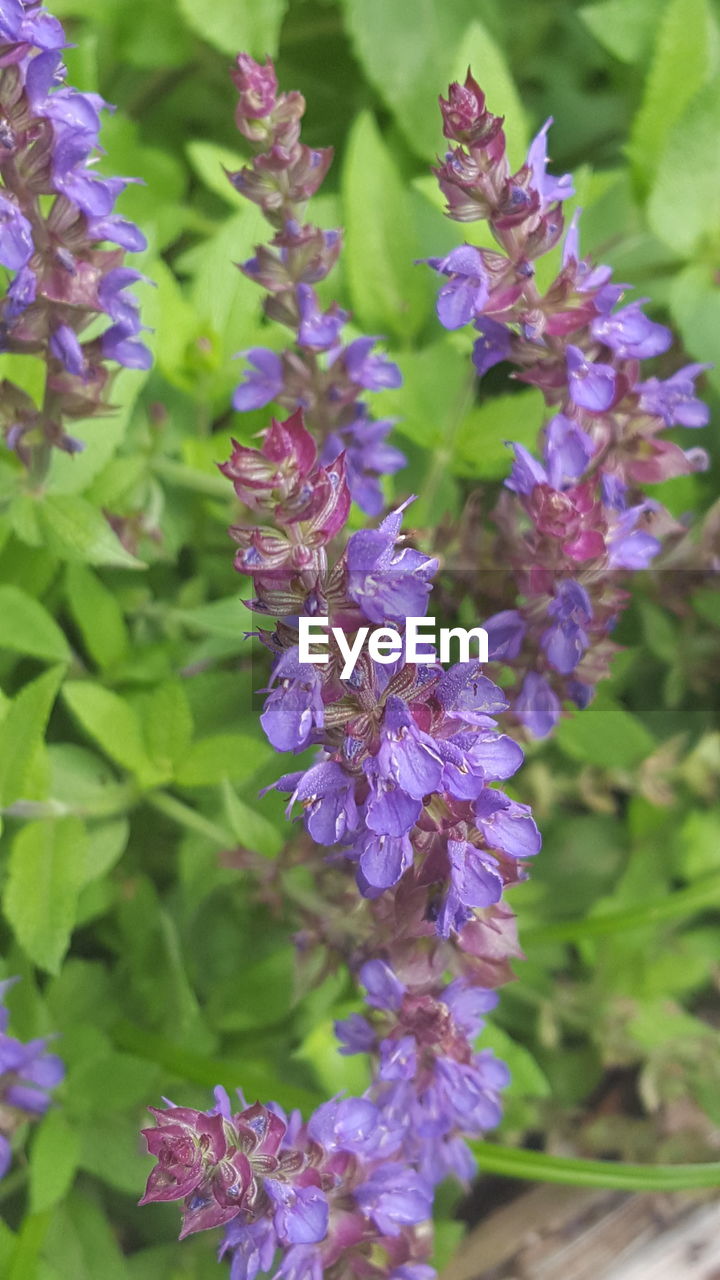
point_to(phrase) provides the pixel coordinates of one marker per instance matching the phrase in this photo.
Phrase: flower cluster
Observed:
(27, 1074)
(577, 521)
(60, 240)
(319, 373)
(330, 1193)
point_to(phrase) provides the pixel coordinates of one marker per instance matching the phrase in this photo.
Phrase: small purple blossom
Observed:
(537, 706)
(592, 385)
(464, 296)
(263, 381)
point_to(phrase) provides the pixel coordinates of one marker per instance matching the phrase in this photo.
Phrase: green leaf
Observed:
(624, 27)
(683, 213)
(437, 385)
(114, 725)
(23, 730)
(76, 531)
(82, 1239)
(98, 615)
(250, 828)
(210, 162)
(679, 904)
(410, 51)
(695, 307)
(535, 1166)
(28, 628)
(606, 735)
(106, 843)
(334, 1070)
(222, 755)
(253, 25)
(29, 373)
(700, 843)
(388, 292)
(684, 56)
(47, 870)
(53, 1161)
(480, 449)
(168, 724)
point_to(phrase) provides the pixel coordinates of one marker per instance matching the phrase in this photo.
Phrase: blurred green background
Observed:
(130, 753)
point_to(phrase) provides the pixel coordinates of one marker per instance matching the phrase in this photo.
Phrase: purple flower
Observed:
(493, 345)
(327, 794)
(469, 1092)
(395, 1196)
(16, 239)
(537, 706)
(550, 189)
(373, 372)
(383, 859)
(261, 386)
(118, 231)
(302, 1262)
(384, 988)
(389, 810)
(628, 546)
(630, 334)
(65, 346)
(407, 755)
(674, 400)
(468, 1005)
(388, 585)
(592, 386)
(568, 450)
(474, 882)
(355, 1034)
(526, 471)
(506, 824)
(21, 293)
(318, 331)
(253, 1246)
(301, 1213)
(118, 345)
(464, 296)
(346, 1124)
(506, 632)
(122, 307)
(295, 708)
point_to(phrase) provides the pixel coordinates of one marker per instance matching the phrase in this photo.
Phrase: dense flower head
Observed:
(28, 1073)
(317, 1191)
(319, 372)
(67, 251)
(578, 519)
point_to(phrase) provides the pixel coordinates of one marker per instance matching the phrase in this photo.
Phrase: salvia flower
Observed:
(28, 1074)
(577, 520)
(60, 238)
(318, 372)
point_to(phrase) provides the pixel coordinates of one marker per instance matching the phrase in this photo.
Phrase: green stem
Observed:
(189, 818)
(682, 902)
(535, 1166)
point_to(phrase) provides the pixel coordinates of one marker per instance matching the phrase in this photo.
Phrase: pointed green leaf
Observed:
(28, 628)
(22, 732)
(389, 293)
(114, 725)
(684, 56)
(53, 1161)
(98, 615)
(76, 531)
(47, 869)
